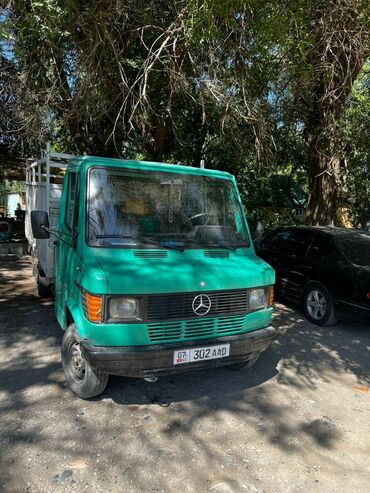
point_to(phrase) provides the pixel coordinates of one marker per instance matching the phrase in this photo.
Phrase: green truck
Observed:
(153, 269)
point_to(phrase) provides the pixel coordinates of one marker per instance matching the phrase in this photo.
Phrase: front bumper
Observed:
(156, 360)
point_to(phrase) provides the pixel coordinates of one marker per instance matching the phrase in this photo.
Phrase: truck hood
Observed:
(170, 271)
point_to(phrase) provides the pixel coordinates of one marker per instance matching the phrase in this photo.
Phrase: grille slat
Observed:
(150, 253)
(216, 253)
(230, 325)
(199, 328)
(165, 332)
(194, 329)
(179, 306)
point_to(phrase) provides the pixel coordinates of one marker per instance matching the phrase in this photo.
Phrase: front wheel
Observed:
(83, 380)
(318, 305)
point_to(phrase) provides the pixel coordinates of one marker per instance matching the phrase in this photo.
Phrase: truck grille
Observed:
(216, 253)
(179, 306)
(194, 329)
(150, 253)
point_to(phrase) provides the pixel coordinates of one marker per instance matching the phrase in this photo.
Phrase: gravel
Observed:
(296, 422)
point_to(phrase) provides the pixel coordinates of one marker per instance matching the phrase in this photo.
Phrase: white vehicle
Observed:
(44, 179)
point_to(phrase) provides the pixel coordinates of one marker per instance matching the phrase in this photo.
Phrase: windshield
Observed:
(356, 248)
(149, 209)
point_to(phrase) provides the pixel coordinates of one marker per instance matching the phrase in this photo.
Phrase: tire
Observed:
(318, 305)
(83, 380)
(42, 286)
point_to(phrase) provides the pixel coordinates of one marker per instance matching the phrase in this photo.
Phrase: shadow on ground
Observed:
(309, 351)
(170, 417)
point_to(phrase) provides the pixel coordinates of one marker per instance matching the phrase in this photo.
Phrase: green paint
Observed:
(117, 271)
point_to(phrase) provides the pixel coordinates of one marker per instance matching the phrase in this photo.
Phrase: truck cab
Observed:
(155, 272)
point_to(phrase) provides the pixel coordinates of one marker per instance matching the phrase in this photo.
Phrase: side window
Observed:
(237, 221)
(298, 244)
(270, 241)
(288, 242)
(320, 250)
(71, 214)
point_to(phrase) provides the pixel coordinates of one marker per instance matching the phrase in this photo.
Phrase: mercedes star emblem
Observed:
(201, 304)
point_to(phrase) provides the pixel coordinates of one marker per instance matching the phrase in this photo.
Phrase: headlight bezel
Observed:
(262, 296)
(137, 316)
(104, 315)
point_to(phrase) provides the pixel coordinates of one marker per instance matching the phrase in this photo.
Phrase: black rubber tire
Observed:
(329, 317)
(91, 382)
(42, 287)
(246, 364)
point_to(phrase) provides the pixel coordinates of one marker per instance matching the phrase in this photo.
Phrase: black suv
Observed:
(326, 270)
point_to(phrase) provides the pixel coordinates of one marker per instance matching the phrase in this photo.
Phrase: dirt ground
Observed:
(298, 421)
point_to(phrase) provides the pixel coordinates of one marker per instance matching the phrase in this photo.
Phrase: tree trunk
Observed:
(323, 170)
(335, 57)
(160, 135)
(322, 179)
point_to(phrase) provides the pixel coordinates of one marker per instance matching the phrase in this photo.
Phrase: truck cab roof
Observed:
(149, 166)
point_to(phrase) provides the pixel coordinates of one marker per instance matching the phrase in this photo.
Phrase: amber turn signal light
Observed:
(271, 296)
(94, 307)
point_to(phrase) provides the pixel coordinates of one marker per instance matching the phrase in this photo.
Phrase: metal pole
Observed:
(47, 185)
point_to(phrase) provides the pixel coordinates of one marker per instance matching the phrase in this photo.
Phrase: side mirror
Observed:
(39, 223)
(260, 229)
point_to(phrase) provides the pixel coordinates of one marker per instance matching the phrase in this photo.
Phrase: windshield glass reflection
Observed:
(139, 208)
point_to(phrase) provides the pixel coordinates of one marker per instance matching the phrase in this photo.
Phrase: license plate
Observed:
(200, 354)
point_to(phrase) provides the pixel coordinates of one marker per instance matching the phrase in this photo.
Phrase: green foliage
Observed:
(8, 186)
(355, 138)
(258, 89)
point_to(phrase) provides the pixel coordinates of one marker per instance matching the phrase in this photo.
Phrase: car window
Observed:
(356, 248)
(320, 250)
(289, 242)
(267, 242)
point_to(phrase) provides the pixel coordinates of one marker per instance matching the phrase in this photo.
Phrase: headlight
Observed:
(258, 299)
(123, 308)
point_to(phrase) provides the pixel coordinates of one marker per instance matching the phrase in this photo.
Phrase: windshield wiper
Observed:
(209, 243)
(143, 239)
(217, 245)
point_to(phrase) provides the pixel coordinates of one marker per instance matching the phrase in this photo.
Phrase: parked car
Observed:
(326, 270)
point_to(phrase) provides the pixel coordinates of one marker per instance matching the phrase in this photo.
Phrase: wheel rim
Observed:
(76, 361)
(317, 305)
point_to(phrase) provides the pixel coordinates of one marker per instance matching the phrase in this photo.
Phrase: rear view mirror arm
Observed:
(50, 231)
(55, 233)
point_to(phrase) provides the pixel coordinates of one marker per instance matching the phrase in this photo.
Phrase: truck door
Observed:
(67, 257)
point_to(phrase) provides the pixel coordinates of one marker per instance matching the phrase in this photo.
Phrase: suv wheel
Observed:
(318, 305)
